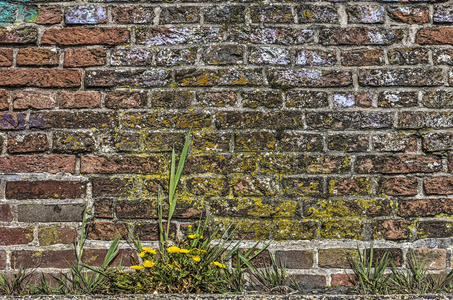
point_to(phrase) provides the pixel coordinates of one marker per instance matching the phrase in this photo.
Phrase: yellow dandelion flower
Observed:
(196, 258)
(149, 250)
(137, 268)
(148, 264)
(191, 236)
(142, 254)
(185, 251)
(220, 265)
(190, 226)
(173, 249)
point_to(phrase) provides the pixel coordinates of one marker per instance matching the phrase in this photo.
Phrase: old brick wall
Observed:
(323, 125)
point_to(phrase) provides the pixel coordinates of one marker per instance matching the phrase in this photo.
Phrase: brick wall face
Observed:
(323, 125)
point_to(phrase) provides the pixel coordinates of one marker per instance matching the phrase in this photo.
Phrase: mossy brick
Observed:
(434, 259)
(15, 236)
(180, 15)
(366, 14)
(223, 55)
(103, 208)
(84, 57)
(161, 141)
(125, 99)
(268, 55)
(220, 164)
(72, 36)
(241, 77)
(341, 229)
(416, 120)
(409, 14)
(73, 142)
(255, 141)
(366, 36)
(171, 99)
(348, 142)
(347, 100)
(362, 57)
(217, 99)
(250, 229)
(390, 99)
(319, 58)
(434, 229)
(38, 57)
(398, 164)
(86, 14)
(249, 207)
(278, 35)
(207, 186)
(294, 229)
(340, 120)
(391, 229)
(128, 78)
(336, 258)
(408, 56)
(398, 186)
(136, 209)
(6, 213)
(6, 57)
(158, 36)
(93, 164)
(25, 143)
(443, 14)
(131, 57)
(259, 120)
(197, 77)
(299, 186)
(401, 77)
(81, 99)
(317, 14)
(438, 99)
(255, 186)
(73, 120)
(176, 57)
(206, 141)
(132, 14)
(411, 208)
(360, 208)
(106, 230)
(119, 142)
(164, 119)
(271, 14)
(21, 35)
(56, 235)
(293, 141)
(45, 189)
(292, 78)
(394, 142)
(43, 259)
(224, 14)
(295, 259)
(356, 186)
(50, 212)
(306, 99)
(304, 163)
(437, 141)
(442, 56)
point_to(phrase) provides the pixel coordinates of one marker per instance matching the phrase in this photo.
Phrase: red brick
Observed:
(336, 258)
(348, 280)
(125, 99)
(2, 260)
(47, 189)
(27, 142)
(399, 186)
(54, 235)
(106, 231)
(84, 57)
(49, 15)
(310, 282)
(425, 207)
(367, 57)
(6, 57)
(150, 231)
(38, 57)
(34, 100)
(111, 187)
(130, 15)
(438, 185)
(4, 99)
(409, 15)
(72, 36)
(295, 259)
(103, 208)
(360, 36)
(125, 164)
(42, 259)
(392, 229)
(37, 164)
(6, 213)
(126, 209)
(15, 236)
(435, 36)
(12, 121)
(79, 100)
(42, 78)
(393, 164)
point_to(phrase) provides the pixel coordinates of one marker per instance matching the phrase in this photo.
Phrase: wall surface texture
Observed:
(321, 125)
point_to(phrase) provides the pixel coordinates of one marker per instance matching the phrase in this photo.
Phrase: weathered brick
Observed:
(41, 78)
(397, 99)
(128, 78)
(297, 142)
(306, 99)
(293, 186)
(360, 36)
(221, 77)
(131, 57)
(173, 98)
(435, 36)
(176, 57)
(368, 14)
(73, 119)
(434, 229)
(295, 259)
(253, 186)
(121, 142)
(289, 229)
(47, 189)
(348, 142)
(434, 259)
(34, 100)
(399, 186)
(2, 260)
(263, 120)
(79, 99)
(106, 231)
(71, 142)
(12, 121)
(37, 164)
(282, 36)
(211, 141)
(56, 235)
(318, 14)
(103, 208)
(162, 141)
(438, 99)
(86, 14)
(125, 99)
(350, 120)
(179, 14)
(308, 78)
(107, 187)
(443, 14)
(39, 57)
(414, 120)
(220, 164)
(220, 14)
(394, 142)
(84, 57)
(438, 185)
(266, 55)
(442, 56)
(341, 229)
(336, 258)
(95, 257)
(223, 55)
(137, 209)
(409, 14)
(309, 282)
(347, 280)
(21, 35)
(47, 15)
(270, 14)
(76, 36)
(50, 213)
(391, 229)
(345, 100)
(157, 36)
(300, 163)
(132, 14)
(320, 58)
(6, 57)
(394, 164)
(337, 210)
(367, 57)
(401, 77)
(355, 186)
(257, 98)
(150, 232)
(408, 56)
(160, 120)
(27, 142)
(437, 141)
(253, 207)
(15, 236)
(424, 207)
(6, 213)
(91, 164)
(43, 259)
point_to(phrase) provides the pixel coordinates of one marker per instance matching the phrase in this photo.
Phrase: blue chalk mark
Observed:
(7, 13)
